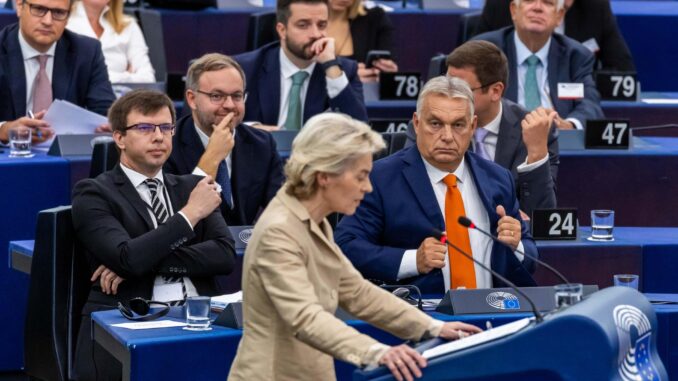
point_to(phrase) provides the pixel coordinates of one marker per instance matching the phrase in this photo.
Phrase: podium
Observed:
(612, 335)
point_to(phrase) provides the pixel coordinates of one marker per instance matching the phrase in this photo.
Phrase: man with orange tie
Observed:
(427, 187)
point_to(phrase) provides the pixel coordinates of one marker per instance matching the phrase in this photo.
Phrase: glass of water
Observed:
(602, 224)
(20, 142)
(197, 313)
(568, 294)
(626, 280)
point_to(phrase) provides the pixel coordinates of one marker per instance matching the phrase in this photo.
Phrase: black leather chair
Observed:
(468, 26)
(436, 66)
(150, 22)
(261, 30)
(104, 157)
(58, 289)
(383, 153)
(398, 140)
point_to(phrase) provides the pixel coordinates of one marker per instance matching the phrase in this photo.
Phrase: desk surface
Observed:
(213, 351)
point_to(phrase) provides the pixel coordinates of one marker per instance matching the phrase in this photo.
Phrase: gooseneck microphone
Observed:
(464, 221)
(443, 238)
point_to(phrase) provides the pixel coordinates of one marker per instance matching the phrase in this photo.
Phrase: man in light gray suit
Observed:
(526, 143)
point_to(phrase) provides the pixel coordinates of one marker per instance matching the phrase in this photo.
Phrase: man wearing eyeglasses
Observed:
(40, 62)
(526, 143)
(147, 233)
(213, 141)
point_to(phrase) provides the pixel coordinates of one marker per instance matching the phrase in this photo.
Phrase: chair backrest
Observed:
(261, 30)
(150, 22)
(398, 140)
(437, 66)
(468, 26)
(104, 157)
(58, 289)
(383, 153)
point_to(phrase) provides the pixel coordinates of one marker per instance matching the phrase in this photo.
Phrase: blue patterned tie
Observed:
(224, 179)
(293, 121)
(532, 98)
(479, 138)
(161, 214)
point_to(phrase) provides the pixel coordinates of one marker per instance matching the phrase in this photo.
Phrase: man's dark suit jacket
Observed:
(79, 75)
(373, 31)
(535, 189)
(262, 70)
(586, 19)
(114, 226)
(256, 168)
(569, 62)
(402, 211)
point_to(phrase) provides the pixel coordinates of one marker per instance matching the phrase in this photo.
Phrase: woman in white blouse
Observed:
(122, 42)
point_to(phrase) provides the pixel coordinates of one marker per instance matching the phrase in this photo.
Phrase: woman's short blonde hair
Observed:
(328, 143)
(357, 9)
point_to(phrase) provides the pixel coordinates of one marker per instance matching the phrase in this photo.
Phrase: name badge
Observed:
(396, 86)
(607, 134)
(570, 91)
(592, 45)
(554, 224)
(167, 292)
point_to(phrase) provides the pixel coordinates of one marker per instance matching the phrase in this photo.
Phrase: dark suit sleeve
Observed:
(537, 188)
(582, 69)
(350, 100)
(99, 91)
(614, 53)
(359, 235)
(97, 222)
(275, 172)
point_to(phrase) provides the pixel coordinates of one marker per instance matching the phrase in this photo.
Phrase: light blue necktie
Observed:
(532, 98)
(479, 139)
(224, 179)
(293, 122)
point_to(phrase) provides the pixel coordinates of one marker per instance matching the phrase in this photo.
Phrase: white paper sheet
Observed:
(150, 324)
(66, 118)
(222, 301)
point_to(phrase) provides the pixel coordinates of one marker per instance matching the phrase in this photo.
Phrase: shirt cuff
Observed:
(374, 354)
(520, 249)
(187, 220)
(576, 122)
(433, 329)
(199, 172)
(408, 265)
(336, 85)
(524, 167)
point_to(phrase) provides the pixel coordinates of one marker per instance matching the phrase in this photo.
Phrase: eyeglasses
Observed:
(40, 11)
(483, 86)
(220, 98)
(138, 309)
(149, 128)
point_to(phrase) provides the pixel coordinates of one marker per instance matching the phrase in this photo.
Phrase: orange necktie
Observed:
(462, 272)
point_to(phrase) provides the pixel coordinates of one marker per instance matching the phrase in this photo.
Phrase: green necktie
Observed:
(293, 122)
(532, 99)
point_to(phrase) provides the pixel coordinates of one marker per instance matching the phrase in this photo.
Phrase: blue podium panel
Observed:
(610, 336)
(28, 186)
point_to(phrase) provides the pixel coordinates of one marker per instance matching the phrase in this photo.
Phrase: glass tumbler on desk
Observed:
(602, 225)
(198, 313)
(20, 142)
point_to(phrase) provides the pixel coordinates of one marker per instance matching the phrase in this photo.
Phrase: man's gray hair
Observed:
(451, 87)
(559, 4)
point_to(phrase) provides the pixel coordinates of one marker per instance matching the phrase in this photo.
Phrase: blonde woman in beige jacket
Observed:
(295, 276)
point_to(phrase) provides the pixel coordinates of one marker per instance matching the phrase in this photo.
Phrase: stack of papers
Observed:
(220, 302)
(66, 118)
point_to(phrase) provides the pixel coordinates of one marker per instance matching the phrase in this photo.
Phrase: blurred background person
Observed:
(357, 30)
(122, 42)
(295, 276)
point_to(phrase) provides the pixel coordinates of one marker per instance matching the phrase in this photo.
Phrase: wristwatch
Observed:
(330, 63)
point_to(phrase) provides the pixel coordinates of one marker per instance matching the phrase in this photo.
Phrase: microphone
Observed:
(443, 238)
(404, 292)
(464, 221)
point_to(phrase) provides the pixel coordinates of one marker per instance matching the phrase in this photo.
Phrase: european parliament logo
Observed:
(503, 301)
(635, 335)
(245, 235)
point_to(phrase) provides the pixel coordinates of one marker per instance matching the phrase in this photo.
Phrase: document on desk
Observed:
(66, 118)
(150, 324)
(220, 302)
(478, 338)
